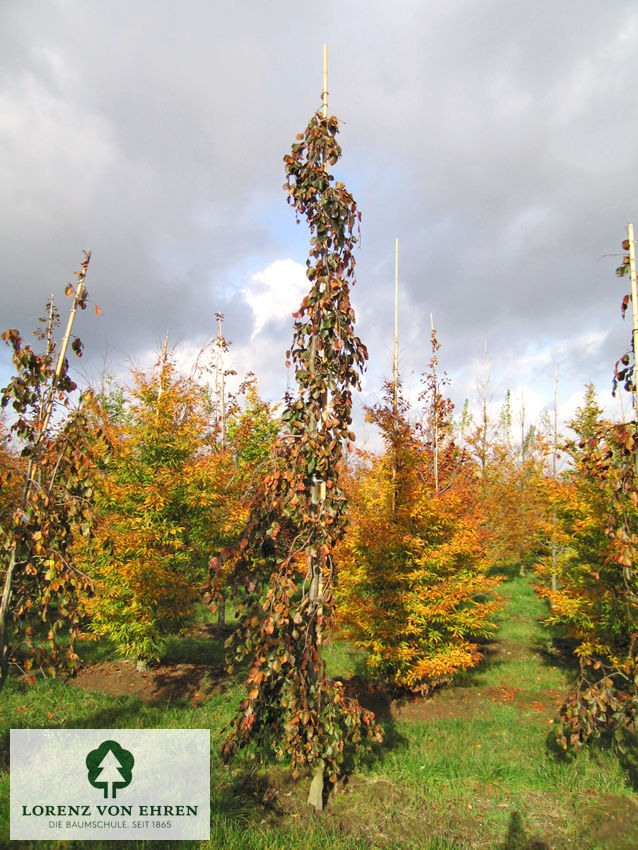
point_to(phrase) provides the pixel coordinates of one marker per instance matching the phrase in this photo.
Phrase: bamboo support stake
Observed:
(79, 288)
(396, 325)
(555, 450)
(324, 91)
(554, 454)
(317, 497)
(395, 371)
(160, 388)
(220, 400)
(318, 489)
(523, 418)
(484, 423)
(220, 389)
(522, 570)
(435, 404)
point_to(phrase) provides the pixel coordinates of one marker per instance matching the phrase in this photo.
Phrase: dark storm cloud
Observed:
(495, 139)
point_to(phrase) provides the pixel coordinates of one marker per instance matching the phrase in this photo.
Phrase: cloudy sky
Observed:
(495, 138)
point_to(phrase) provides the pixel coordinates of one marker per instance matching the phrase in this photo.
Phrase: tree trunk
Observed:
(315, 797)
(4, 616)
(221, 614)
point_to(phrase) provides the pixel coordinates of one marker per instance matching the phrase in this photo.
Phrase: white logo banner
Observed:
(110, 784)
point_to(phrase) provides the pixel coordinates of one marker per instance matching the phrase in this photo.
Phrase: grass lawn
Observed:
(472, 767)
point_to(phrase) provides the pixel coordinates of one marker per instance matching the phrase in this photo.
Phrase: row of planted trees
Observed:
(110, 508)
(112, 511)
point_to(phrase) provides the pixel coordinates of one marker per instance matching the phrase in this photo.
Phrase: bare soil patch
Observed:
(158, 684)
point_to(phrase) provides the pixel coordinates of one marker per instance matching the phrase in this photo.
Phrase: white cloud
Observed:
(275, 294)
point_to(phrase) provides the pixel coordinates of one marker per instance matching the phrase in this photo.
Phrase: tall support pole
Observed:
(220, 414)
(220, 389)
(523, 419)
(396, 325)
(317, 497)
(79, 290)
(555, 447)
(324, 91)
(484, 414)
(522, 479)
(435, 409)
(162, 374)
(395, 375)
(554, 455)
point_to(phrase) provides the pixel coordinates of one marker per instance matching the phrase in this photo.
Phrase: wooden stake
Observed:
(219, 378)
(396, 325)
(522, 570)
(395, 371)
(160, 390)
(79, 288)
(555, 449)
(435, 417)
(317, 496)
(554, 454)
(523, 418)
(484, 423)
(324, 92)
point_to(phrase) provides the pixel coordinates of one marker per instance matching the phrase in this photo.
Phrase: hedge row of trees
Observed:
(150, 494)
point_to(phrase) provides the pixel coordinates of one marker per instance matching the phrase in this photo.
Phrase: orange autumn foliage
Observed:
(596, 599)
(596, 504)
(516, 496)
(164, 503)
(413, 589)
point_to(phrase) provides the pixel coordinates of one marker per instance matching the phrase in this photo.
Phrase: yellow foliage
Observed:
(412, 589)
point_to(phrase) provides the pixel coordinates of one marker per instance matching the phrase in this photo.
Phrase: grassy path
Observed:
(475, 763)
(470, 768)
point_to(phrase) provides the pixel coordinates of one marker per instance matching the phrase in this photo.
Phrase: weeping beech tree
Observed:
(283, 571)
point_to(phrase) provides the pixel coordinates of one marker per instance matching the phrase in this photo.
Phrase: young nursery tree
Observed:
(413, 588)
(161, 509)
(596, 601)
(283, 570)
(46, 472)
(597, 598)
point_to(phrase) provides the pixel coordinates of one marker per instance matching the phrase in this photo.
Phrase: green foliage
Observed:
(513, 490)
(162, 507)
(252, 429)
(596, 602)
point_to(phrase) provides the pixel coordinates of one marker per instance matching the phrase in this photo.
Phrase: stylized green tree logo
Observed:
(111, 765)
